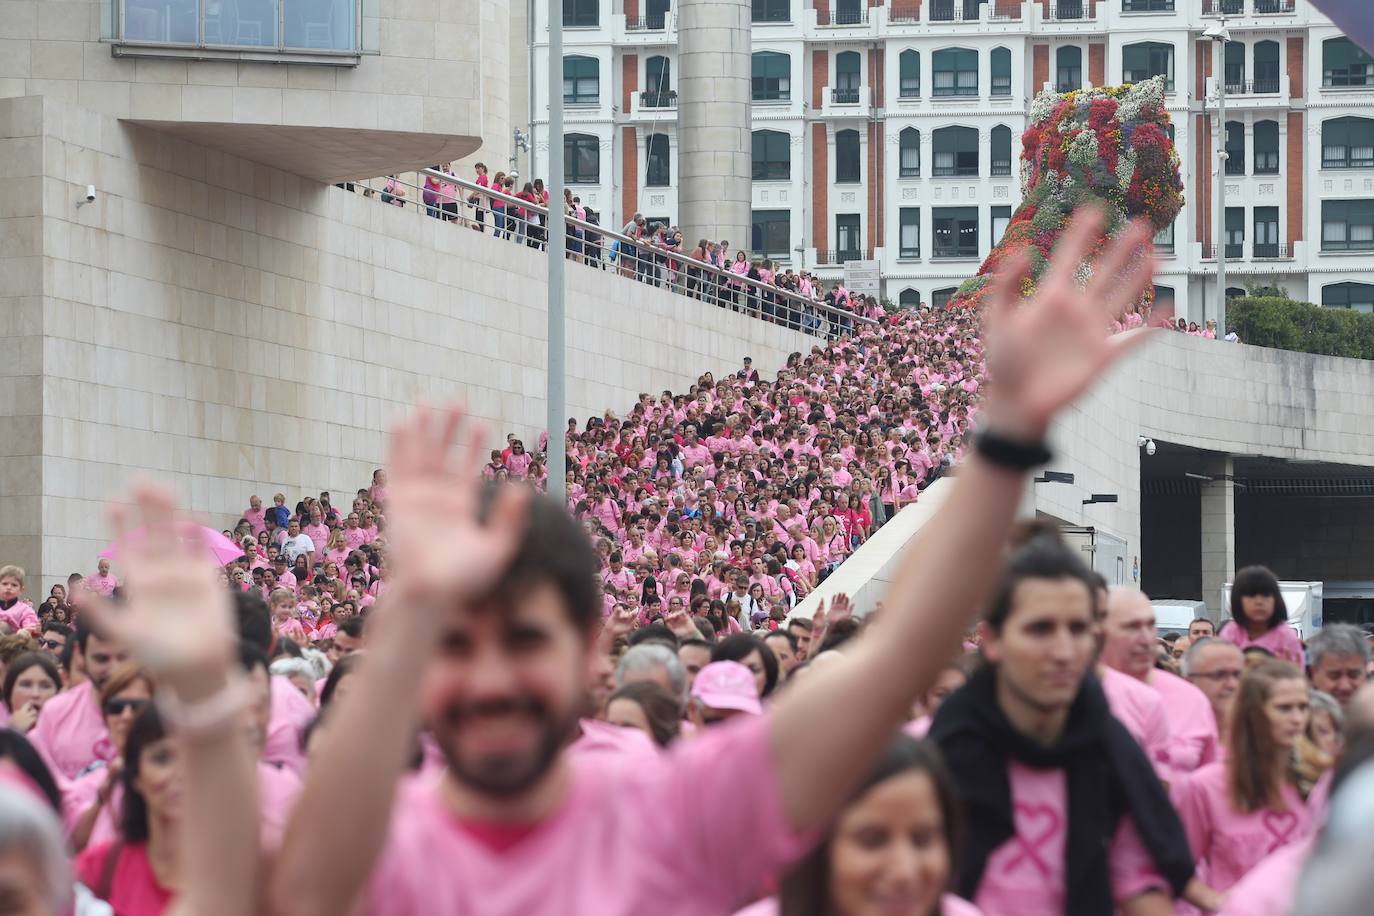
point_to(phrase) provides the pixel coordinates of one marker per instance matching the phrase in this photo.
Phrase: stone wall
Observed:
(234, 329)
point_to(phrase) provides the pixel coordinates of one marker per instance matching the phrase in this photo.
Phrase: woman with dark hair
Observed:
(91, 803)
(30, 681)
(1259, 616)
(645, 705)
(894, 842)
(15, 748)
(754, 654)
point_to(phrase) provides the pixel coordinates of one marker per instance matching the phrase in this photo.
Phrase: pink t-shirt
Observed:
(102, 585)
(1193, 739)
(1138, 708)
(278, 788)
(133, 888)
(1269, 888)
(21, 616)
(1026, 874)
(79, 795)
(71, 733)
(1282, 640)
(1227, 843)
(291, 713)
(627, 839)
(257, 519)
(950, 905)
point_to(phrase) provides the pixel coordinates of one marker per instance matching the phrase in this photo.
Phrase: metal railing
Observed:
(953, 11)
(658, 98)
(600, 248)
(1263, 86)
(1068, 9)
(1270, 250)
(844, 96)
(1229, 7)
(854, 15)
(1275, 6)
(654, 22)
(836, 256)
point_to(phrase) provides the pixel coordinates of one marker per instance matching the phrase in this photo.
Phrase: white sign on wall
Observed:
(861, 277)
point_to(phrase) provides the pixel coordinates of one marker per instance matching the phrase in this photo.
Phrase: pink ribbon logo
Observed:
(1281, 826)
(1036, 827)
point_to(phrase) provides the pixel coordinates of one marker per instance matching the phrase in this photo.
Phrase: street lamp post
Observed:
(555, 458)
(1219, 35)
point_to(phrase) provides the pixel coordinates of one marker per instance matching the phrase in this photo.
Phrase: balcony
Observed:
(654, 22)
(844, 96)
(845, 17)
(1066, 10)
(953, 11)
(1265, 85)
(1275, 7)
(1271, 250)
(658, 99)
(846, 102)
(1227, 7)
(1263, 92)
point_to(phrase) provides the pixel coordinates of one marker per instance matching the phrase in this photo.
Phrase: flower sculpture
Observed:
(1111, 145)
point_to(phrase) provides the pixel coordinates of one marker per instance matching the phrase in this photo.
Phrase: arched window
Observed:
(846, 88)
(581, 159)
(772, 155)
(1266, 147)
(940, 298)
(1235, 292)
(1001, 150)
(955, 71)
(956, 152)
(1357, 296)
(909, 152)
(658, 82)
(1146, 59)
(848, 168)
(1068, 68)
(909, 67)
(772, 77)
(909, 298)
(581, 80)
(1235, 67)
(581, 13)
(1345, 63)
(1266, 66)
(656, 170)
(1001, 72)
(1348, 143)
(1235, 148)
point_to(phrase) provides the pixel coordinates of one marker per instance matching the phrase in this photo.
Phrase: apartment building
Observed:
(889, 130)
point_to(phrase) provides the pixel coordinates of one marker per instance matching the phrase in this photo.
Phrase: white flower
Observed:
(1083, 148)
(1043, 105)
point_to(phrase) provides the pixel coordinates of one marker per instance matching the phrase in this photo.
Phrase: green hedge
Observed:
(1286, 324)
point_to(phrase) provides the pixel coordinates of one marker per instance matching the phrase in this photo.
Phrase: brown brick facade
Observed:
(629, 179)
(1203, 179)
(820, 182)
(629, 80)
(820, 76)
(1097, 64)
(1202, 69)
(1009, 8)
(1295, 68)
(1295, 174)
(823, 12)
(906, 10)
(631, 10)
(1040, 68)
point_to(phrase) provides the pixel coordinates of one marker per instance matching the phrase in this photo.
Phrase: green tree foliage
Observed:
(1286, 324)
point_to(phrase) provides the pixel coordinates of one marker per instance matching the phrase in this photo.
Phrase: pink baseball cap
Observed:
(727, 685)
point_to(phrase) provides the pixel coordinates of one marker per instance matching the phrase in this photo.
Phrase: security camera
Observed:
(90, 193)
(1150, 447)
(1146, 443)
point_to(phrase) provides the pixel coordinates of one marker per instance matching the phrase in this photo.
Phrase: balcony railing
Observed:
(1270, 250)
(658, 98)
(852, 15)
(1209, 251)
(953, 11)
(1264, 85)
(1234, 251)
(654, 22)
(844, 96)
(1269, 7)
(1068, 10)
(1229, 7)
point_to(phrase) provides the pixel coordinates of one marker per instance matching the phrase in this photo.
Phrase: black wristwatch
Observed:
(1013, 454)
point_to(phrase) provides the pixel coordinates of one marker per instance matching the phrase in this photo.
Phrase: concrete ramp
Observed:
(865, 576)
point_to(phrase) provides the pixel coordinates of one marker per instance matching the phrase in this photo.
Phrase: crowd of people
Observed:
(457, 697)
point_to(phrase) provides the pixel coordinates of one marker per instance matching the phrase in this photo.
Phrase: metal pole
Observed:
(1221, 184)
(556, 420)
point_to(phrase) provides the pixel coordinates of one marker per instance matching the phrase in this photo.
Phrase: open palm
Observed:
(441, 546)
(1043, 353)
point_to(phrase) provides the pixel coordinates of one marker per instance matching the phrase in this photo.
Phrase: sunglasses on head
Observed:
(117, 706)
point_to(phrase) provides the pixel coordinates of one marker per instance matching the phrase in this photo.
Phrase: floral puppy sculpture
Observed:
(1110, 145)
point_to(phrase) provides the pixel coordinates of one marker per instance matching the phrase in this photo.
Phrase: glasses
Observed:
(52, 643)
(117, 707)
(1227, 674)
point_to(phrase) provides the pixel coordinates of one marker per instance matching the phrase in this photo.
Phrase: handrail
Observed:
(699, 279)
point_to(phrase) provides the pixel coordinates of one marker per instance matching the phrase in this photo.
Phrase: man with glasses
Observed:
(71, 734)
(1215, 666)
(54, 638)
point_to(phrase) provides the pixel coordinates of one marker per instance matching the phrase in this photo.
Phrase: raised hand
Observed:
(680, 624)
(840, 608)
(441, 549)
(177, 619)
(621, 622)
(1043, 353)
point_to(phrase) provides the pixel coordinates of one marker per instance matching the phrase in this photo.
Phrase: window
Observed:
(1146, 59)
(657, 17)
(1235, 148)
(656, 161)
(581, 80)
(772, 77)
(285, 25)
(772, 156)
(955, 72)
(1147, 6)
(581, 159)
(1235, 231)
(909, 299)
(1001, 72)
(909, 152)
(1267, 67)
(1163, 294)
(954, 11)
(1345, 63)
(1357, 296)
(940, 298)
(1068, 69)
(909, 236)
(1266, 239)
(909, 65)
(1234, 67)
(1266, 147)
(847, 167)
(1001, 150)
(847, 237)
(658, 81)
(1348, 143)
(846, 89)
(771, 234)
(956, 151)
(1235, 292)
(850, 12)
(1348, 225)
(581, 13)
(772, 10)
(1001, 219)
(956, 232)
(1164, 239)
